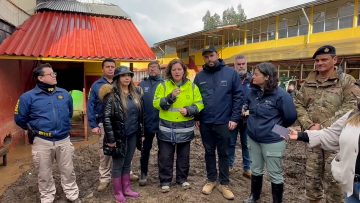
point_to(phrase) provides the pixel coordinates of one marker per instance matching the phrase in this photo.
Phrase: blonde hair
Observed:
(354, 120)
(134, 93)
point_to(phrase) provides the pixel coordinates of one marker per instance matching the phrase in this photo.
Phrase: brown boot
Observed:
(247, 174)
(208, 188)
(102, 186)
(226, 192)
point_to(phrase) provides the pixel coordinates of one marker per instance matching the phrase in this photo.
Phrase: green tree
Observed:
(211, 22)
(229, 17)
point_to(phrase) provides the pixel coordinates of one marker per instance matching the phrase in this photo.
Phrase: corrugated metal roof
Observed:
(77, 36)
(79, 7)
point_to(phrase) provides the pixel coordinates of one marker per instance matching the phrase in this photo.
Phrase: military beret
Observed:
(208, 50)
(327, 49)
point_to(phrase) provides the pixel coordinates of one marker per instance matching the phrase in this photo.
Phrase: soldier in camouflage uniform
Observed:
(325, 96)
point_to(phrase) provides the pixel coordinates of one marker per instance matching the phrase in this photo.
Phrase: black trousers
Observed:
(216, 137)
(166, 162)
(145, 153)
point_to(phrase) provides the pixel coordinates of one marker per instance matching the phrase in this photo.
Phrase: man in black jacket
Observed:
(222, 96)
(151, 116)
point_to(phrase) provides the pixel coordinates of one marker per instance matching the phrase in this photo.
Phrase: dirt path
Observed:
(86, 163)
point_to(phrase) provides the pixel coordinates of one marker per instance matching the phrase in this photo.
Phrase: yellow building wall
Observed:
(94, 68)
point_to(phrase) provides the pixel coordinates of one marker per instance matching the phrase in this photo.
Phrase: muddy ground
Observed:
(86, 164)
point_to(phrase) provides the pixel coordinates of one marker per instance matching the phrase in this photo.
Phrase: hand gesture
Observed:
(183, 111)
(232, 125)
(96, 131)
(316, 126)
(176, 92)
(111, 144)
(197, 124)
(293, 134)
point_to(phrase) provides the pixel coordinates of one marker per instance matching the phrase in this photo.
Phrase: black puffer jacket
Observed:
(114, 115)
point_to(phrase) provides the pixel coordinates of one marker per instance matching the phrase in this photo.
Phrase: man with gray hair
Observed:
(240, 66)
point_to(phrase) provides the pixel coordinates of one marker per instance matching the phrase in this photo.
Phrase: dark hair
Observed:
(38, 71)
(107, 60)
(170, 65)
(268, 69)
(154, 62)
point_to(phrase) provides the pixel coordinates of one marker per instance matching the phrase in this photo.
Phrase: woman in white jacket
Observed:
(343, 137)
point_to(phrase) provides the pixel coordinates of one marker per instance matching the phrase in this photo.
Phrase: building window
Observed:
(271, 29)
(170, 48)
(256, 31)
(232, 38)
(346, 15)
(292, 25)
(264, 30)
(249, 33)
(196, 45)
(303, 26)
(319, 22)
(283, 28)
(331, 19)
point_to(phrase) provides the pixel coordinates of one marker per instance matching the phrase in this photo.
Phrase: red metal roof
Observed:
(77, 36)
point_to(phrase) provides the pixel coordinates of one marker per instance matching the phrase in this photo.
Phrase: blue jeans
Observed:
(354, 198)
(244, 148)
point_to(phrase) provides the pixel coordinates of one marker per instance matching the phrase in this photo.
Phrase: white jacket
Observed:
(344, 139)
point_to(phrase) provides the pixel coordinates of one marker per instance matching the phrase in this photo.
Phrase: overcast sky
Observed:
(158, 20)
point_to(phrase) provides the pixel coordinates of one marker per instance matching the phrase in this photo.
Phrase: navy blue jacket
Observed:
(245, 84)
(221, 93)
(267, 110)
(95, 107)
(49, 113)
(151, 115)
(245, 88)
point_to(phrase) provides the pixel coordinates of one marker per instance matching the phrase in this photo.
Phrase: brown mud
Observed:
(86, 164)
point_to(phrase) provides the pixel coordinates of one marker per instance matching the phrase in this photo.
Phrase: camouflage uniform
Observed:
(323, 102)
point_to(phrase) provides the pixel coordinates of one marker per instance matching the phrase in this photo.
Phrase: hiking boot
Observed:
(102, 186)
(77, 200)
(133, 177)
(143, 180)
(185, 185)
(165, 188)
(226, 192)
(247, 174)
(208, 188)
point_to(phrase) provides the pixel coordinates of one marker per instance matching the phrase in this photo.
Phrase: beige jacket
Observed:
(344, 139)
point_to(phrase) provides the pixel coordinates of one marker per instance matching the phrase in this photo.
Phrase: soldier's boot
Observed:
(277, 192)
(256, 186)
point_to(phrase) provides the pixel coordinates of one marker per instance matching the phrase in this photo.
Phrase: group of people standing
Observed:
(222, 102)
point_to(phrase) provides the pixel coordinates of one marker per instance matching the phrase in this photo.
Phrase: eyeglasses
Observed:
(53, 74)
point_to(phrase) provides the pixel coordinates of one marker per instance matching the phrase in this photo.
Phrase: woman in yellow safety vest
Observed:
(178, 101)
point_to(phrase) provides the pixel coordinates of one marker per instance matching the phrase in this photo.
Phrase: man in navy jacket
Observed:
(151, 116)
(46, 111)
(95, 114)
(240, 66)
(222, 96)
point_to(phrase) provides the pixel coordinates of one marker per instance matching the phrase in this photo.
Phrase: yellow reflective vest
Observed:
(189, 96)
